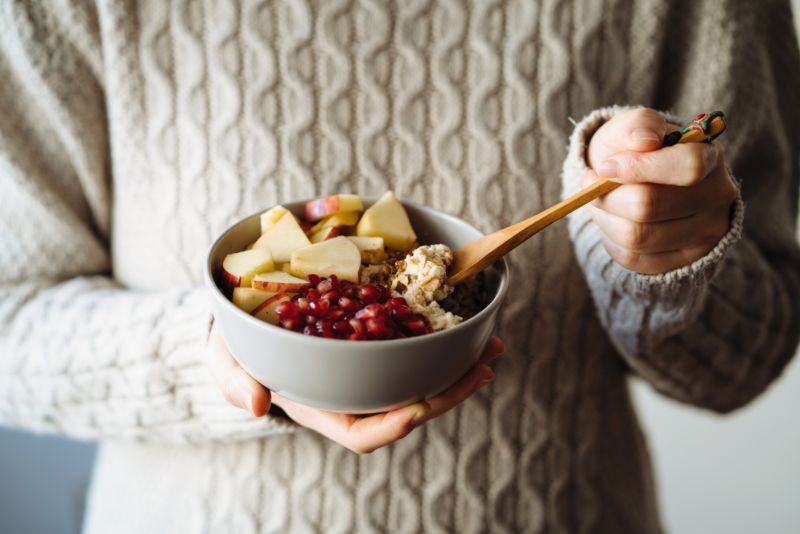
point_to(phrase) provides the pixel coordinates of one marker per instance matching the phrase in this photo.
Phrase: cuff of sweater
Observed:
(686, 285)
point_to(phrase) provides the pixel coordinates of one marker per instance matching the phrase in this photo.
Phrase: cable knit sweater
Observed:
(133, 133)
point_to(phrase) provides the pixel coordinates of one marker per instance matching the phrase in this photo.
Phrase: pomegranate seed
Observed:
(335, 313)
(313, 279)
(293, 323)
(302, 305)
(395, 302)
(417, 326)
(287, 310)
(401, 312)
(348, 290)
(348, 305)
(309, 331)
(342, 327)
(325, 328)
(331, 295)
(356, 336)
(370, 311)
(312, 294)
(377, 329)
(311, 320)
(319, 307)
(332, 282)
(357, 326)
(369, 293)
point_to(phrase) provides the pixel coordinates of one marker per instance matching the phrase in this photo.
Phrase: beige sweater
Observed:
(132, 133)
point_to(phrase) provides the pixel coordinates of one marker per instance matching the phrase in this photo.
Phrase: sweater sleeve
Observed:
(79, 354)
(715, 333)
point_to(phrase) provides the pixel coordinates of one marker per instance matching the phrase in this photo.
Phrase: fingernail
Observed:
(608, 169)
(644, 134)
(710, 157)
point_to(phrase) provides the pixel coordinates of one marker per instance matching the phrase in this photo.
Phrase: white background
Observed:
(738, 474)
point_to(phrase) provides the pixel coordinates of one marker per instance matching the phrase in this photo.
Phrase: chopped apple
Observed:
(338, 256)
(283, 238)
(248, 299)
(319, 208)
(270, 217)
(326, 233)
(266, 311)
(279, 281)
(343, 218)
(371, 248)
(239, 268)
(387, 218)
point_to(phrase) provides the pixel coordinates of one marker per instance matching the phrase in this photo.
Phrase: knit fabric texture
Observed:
(133, 133)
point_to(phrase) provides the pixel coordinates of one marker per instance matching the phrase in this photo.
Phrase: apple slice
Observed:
(387, 218)
(338, 256)
(248, 299)
(326, 233)
(279, 281)
(239, 268)
(270, 217)
(371, 248)
(343, 218)
(319, 208)
(283, 238)
(266, 311)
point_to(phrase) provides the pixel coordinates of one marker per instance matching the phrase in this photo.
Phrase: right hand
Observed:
(361, 434)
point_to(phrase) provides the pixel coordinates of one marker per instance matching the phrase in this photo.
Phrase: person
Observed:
(133, 133)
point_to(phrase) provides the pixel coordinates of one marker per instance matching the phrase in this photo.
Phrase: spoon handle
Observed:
(479, 254)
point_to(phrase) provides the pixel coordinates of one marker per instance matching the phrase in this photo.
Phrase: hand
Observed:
(674, 206)
(361, 434)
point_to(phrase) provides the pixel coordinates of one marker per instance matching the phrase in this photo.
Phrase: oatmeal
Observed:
(421, 280)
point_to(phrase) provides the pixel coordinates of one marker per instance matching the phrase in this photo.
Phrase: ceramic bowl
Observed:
(355, 376)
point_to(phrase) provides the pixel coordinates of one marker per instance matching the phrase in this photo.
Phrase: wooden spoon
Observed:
(473, 257)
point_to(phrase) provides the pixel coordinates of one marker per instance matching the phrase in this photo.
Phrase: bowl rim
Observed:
(217, 294)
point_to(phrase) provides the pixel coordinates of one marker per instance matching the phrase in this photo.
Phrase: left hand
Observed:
(674, 206)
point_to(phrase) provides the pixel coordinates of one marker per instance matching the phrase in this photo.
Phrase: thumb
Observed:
(636, 130)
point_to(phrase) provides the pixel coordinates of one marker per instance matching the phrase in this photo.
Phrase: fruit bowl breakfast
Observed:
(333, 302)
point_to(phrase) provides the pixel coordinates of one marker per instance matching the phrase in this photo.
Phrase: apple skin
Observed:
(266, 310)
(319, 208)
(239, 268)
(279, 281)
(327, 233)
(247, 298)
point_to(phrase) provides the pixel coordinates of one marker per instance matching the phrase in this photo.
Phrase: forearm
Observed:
(88, 359)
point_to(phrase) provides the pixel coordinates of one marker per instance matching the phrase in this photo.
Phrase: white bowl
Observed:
(355, 376)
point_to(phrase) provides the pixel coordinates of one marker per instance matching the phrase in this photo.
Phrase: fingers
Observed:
(681, 165)
(364, 434)
(359, 434)
(238, 387)
(638, 130)
(649, 203)
(702, 230)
